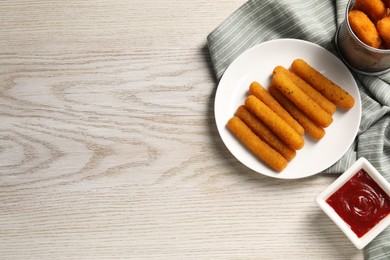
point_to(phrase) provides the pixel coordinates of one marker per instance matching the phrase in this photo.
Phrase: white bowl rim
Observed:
(361, 163)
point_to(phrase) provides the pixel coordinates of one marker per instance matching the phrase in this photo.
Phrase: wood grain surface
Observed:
(109, 149)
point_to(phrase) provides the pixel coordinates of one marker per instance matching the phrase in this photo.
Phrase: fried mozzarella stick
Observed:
(325, 86)
(301, 100)
(309, 90)
(283, 130)
(261, 93)
(262, 150)
(310, 127)
(262, 131)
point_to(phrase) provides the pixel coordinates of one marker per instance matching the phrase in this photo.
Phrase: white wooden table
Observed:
(109, 149)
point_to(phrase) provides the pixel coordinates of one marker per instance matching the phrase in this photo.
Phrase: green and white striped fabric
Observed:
(316, 21)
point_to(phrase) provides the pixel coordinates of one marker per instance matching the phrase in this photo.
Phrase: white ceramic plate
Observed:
(257, 64)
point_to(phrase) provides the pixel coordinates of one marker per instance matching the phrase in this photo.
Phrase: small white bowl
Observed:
(362, 163)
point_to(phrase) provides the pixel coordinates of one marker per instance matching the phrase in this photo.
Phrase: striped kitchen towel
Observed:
(316, 21)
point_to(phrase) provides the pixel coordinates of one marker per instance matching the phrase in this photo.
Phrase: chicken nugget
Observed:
(383, 27)
(374, 9)
(364, 28)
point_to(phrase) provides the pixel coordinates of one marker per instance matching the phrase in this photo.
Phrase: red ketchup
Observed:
(361, 203)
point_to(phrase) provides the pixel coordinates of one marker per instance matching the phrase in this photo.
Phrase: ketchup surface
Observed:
(361, 203)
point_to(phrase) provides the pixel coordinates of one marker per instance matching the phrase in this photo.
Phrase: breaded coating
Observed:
(274, 122)
(364, 28)
(327, 105)
(324, 85)
(265, 134)
(261, 93)
(375, 9)
(310, 127)
(307, 105)
(383, 27)
(262, 150)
